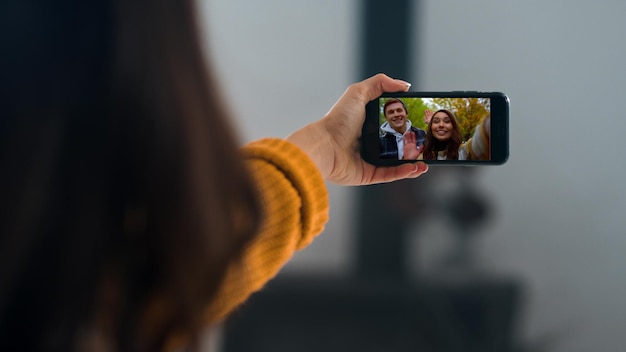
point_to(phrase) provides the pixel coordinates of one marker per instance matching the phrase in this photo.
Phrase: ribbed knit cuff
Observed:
(300, 170)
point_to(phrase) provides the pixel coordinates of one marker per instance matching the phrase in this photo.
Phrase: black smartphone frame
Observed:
(499, 132)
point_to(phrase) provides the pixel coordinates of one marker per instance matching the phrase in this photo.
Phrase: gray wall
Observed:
(559, 224)
(284, 64)
(561, 198)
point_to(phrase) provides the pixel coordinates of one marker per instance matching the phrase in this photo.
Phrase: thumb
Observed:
(373, 87)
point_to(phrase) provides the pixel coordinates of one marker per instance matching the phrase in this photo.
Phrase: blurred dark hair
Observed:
(432, 145)
(123, 198)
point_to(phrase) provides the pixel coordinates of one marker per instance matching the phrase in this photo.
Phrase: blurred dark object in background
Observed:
(454, 308)
(310, 314)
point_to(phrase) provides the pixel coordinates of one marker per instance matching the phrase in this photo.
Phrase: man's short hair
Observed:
(392, 101)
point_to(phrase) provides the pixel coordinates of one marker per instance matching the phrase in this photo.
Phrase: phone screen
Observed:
(437, 127)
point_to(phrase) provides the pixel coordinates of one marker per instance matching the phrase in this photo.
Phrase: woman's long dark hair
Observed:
(120, 180)
(432, 145)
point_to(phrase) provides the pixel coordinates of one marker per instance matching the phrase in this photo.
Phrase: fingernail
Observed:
(407, 84)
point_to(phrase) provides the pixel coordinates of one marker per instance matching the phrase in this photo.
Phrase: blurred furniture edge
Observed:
(322, 313)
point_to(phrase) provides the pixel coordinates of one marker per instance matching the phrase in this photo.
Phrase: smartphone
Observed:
(448, 128)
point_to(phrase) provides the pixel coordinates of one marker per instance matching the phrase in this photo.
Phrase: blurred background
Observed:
(530, 251)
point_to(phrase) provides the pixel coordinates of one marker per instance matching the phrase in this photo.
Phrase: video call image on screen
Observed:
(438, 128)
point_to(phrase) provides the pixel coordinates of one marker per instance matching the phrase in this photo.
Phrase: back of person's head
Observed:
(119, 176)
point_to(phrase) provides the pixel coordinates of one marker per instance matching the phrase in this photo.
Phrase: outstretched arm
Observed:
(478, 147)
(290, 178)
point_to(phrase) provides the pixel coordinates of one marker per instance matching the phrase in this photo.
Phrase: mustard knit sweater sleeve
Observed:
(295, 202)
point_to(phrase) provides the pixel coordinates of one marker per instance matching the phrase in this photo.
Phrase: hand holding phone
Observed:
(332, 142)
